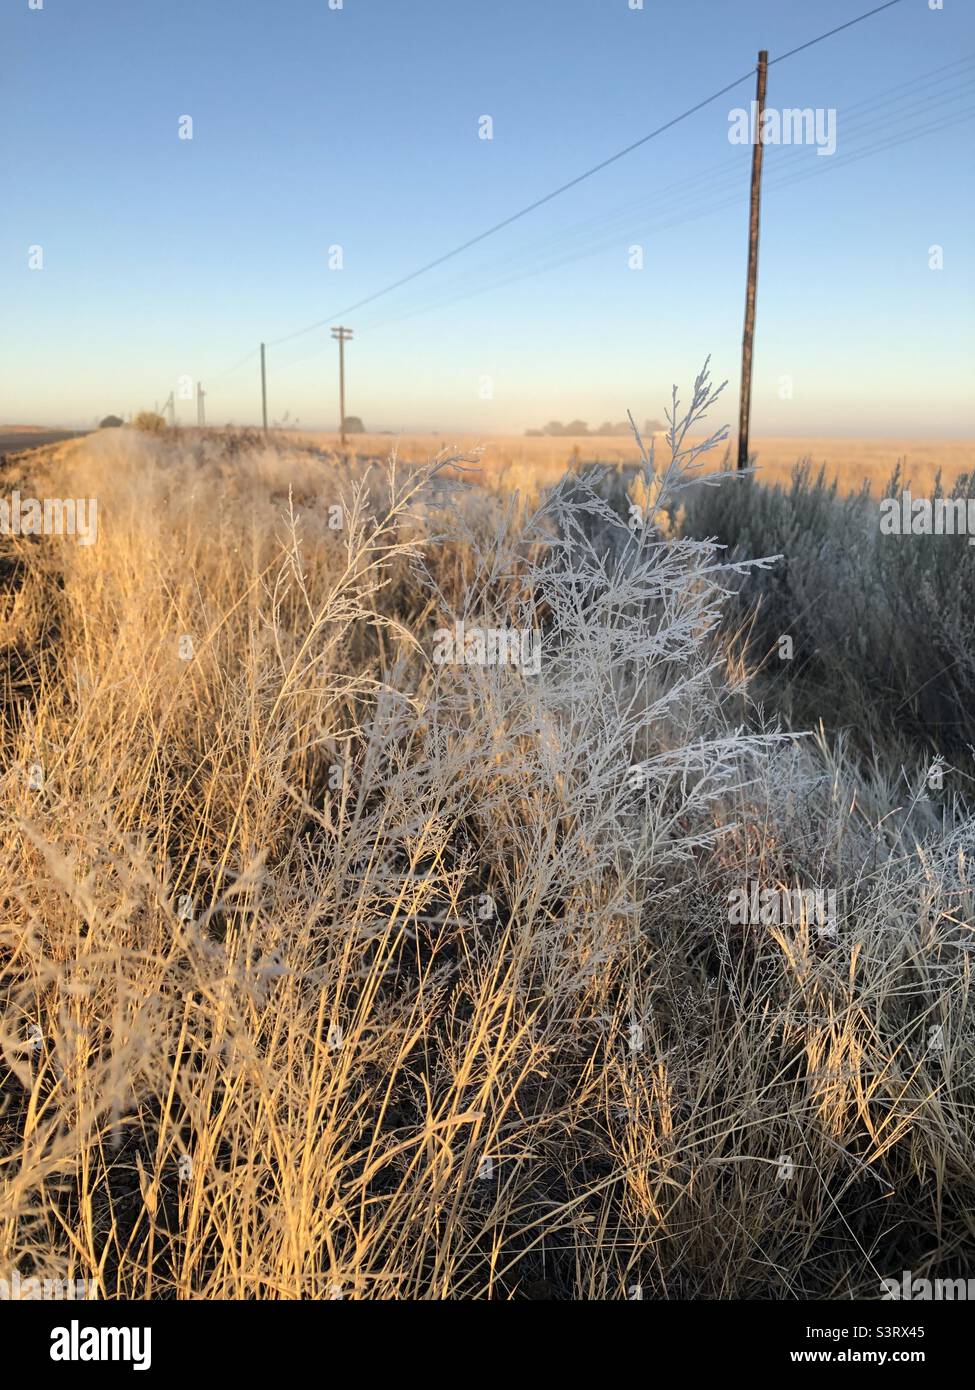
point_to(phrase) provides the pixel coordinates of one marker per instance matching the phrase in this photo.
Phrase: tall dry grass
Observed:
(329, 971)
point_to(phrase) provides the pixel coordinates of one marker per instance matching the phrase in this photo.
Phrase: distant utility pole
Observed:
(170, 405)
(745, 400)
(201, 415)
(264, 388)
(342, 335)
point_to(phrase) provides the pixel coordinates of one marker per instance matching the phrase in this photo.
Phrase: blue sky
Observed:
(314, 127)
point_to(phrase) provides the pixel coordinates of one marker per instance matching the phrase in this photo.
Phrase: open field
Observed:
(521, 460)
(340, 959)
(850, 461)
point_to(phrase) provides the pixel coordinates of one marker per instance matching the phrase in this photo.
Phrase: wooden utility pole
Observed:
(342, 335)
(263, 388)
(745, 401)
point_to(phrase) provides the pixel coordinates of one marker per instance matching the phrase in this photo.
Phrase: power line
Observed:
(885, 144)
(237, 365)
(694, 214)
(830, 32)
(572, 183)
(515, 216)
(781, 173)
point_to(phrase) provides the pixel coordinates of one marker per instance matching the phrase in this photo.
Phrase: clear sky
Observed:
(357, 127)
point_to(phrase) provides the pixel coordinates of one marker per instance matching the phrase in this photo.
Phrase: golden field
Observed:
(519, 457)
(512, 460)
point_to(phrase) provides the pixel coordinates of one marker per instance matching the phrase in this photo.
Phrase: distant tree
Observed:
(535, 434)
(353, 425)
(558, 430)
(149, 422)
(111, 422)
(579, 429)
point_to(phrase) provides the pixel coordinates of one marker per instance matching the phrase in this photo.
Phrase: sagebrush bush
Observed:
(881, 624)
(149, 422)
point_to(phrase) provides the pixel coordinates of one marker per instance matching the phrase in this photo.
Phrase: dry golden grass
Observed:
(243, 1054)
